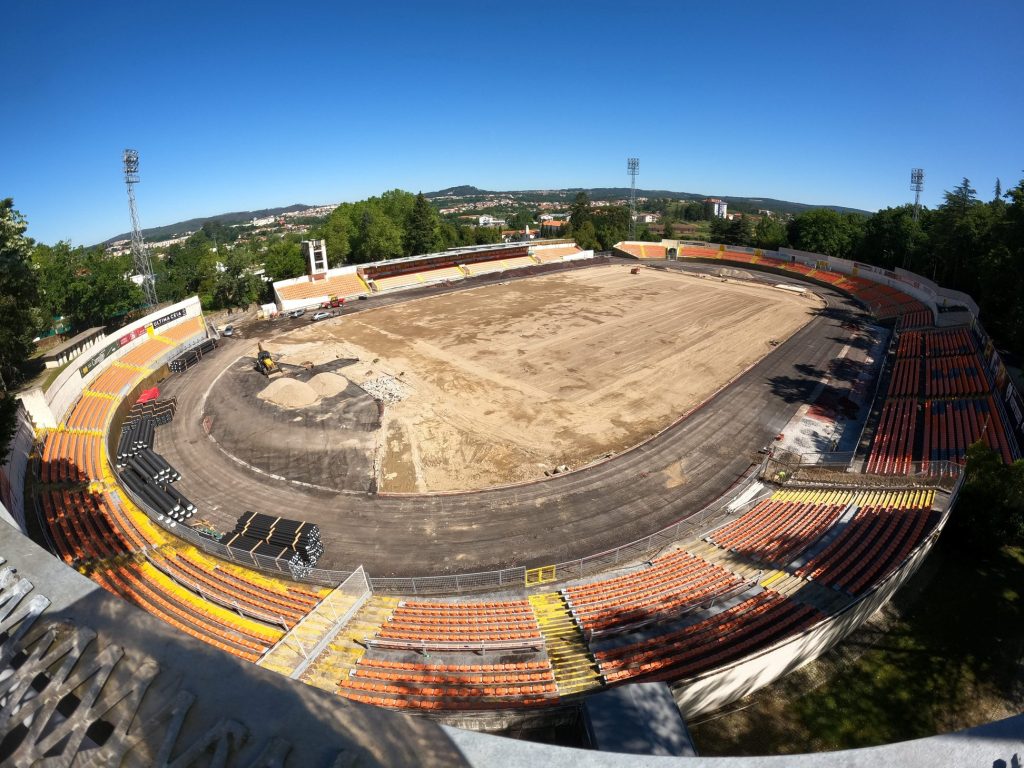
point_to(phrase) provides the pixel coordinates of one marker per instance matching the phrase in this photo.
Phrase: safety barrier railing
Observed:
(506, 579)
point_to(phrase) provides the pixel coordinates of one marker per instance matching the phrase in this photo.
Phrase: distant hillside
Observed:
(469, 192)
(191, 225)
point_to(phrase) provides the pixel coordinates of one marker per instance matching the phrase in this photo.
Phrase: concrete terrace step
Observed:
(574, 667)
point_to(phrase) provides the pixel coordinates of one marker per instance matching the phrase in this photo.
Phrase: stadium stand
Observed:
(893, 445)
(419, 624)
(185, 330)
(552, 254)
(413, 685)
(675, 583)
(678, 653)
(938, 403)
(670, 618)
(779, 528)
(147, 353)
(81, 526)
(91, 411)
(885, 528)
(156, 593)
(484, 268)
(644, 250)
(116, 378)
(343, 286)
(71, 457)
(394, 282)
(950, 426)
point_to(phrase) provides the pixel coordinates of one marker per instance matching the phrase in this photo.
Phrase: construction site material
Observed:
(289, 393)
(328, 384)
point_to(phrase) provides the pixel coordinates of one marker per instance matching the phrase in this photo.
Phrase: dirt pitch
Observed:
(502, 382)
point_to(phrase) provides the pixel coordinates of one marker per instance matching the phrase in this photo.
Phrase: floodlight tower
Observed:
(632, 168)
(139, 254)
(917, 185)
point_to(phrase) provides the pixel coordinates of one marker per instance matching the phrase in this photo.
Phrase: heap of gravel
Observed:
(289, 393)
(386, 388)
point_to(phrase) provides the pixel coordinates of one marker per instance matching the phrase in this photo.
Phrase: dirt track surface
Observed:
(582, 513)
(505, 381)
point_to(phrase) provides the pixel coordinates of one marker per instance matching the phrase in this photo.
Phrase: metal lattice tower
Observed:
(632, 168)
(140, 256)
(917, 185)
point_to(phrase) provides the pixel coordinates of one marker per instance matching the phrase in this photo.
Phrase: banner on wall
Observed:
(127, 338)
(99, 357)
(168, 318)
(131, 336)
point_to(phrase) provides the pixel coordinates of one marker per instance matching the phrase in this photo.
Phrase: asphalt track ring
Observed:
(666, 479)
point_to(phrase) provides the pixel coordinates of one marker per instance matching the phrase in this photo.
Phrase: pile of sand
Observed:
(289, 393)
(328, 384)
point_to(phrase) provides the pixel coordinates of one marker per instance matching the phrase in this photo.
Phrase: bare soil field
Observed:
(496, 384)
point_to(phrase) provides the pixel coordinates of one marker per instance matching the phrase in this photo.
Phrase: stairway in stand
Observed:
(344, 652)
(575, 669)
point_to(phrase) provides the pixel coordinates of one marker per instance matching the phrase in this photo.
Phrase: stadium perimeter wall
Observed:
(12, 472)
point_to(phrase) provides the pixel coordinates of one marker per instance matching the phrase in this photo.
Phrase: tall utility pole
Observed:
(140, 256)
(917, 185)
(632, 168)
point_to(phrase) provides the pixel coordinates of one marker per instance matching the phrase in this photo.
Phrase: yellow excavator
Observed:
(265, 363)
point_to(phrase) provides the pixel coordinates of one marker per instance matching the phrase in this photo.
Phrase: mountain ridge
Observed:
(526, 195)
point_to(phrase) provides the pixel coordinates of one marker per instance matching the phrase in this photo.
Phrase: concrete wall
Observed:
(579, 256)
(12, 473)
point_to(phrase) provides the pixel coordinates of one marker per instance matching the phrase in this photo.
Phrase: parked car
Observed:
(321, 316)
(229, 330)
(297, 313)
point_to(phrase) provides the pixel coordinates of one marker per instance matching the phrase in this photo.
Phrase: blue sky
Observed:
(235, 106)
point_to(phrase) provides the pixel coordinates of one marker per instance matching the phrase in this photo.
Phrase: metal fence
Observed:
(501, 580)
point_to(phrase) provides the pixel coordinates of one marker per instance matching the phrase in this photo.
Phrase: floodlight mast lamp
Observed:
(140, 257)
(917, 185)
(632, 168)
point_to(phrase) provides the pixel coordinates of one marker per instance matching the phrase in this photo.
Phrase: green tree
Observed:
(236, 284)
(103, 292)
(57, 269)
(770, 234)
(670, 233)
(339, 232)
(823, 230)
(990, 509)
(190, 269)
(521, 219)
(18, 294)
(422, 235)
(580, 212)
(959, 233)
(378, 236)
(611, 225)
(892, 238)
(736, 231)
(586, 236)
(283, 259)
